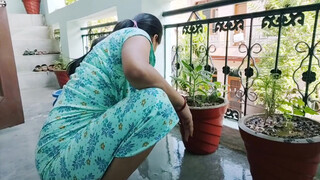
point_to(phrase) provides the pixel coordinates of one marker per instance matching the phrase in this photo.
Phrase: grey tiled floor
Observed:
(167, 161)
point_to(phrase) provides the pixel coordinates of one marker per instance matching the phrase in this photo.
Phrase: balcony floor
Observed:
(167, 161)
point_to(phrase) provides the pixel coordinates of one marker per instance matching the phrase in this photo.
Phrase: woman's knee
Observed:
(155, 95)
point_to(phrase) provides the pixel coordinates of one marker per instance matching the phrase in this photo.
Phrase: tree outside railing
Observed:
(290, 56)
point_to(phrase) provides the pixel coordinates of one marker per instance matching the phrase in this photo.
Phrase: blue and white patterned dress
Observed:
(99, 116)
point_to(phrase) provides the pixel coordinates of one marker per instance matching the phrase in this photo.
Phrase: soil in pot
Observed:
(276, 153)
(300, 127)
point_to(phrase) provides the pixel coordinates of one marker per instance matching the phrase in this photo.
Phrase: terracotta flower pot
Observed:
(62, 77)
(32, 6)
(275, 158)
(207, 123)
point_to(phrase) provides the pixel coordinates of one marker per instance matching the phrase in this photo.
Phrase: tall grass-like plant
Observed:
(289, 59)
(268, 93)
(275, 104)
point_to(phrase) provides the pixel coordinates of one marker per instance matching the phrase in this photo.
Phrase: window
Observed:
(239, 36)
(96, 29)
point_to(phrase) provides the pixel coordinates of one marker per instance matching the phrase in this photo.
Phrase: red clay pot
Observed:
(275, 158)
(62, 77)
(32, 6)
(207, 123)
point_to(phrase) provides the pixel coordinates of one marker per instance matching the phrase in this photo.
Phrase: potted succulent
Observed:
(60, 70)
(283, 145)
(207, 108)
(32, 6)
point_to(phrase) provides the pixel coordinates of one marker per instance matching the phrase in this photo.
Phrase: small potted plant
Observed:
(60, 70)
(206, 105)
(281, 144)
(32, 6)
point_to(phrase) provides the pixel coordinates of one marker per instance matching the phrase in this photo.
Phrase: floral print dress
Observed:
(99, 116)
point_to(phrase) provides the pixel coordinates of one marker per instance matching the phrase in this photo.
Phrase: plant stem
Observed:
(194, 91)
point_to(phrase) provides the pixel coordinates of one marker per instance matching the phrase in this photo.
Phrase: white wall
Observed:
(74, 16)
(15, 7)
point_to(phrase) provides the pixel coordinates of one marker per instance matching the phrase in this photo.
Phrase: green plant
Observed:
(289, 59)
(198, 85)
(61, 63)
(273, 103)
(268, 94)
(196, 82)
(296, 107)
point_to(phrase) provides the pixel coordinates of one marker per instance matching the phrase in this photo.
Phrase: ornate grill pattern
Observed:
(304, 75)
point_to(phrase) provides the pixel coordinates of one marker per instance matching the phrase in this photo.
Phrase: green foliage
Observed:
(289, 59)
(296, 107)
(269, 90)
(198, 85)
(196, 82)
(100, 29)
(61, 63)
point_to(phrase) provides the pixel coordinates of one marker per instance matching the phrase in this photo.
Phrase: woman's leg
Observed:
(129, 128)
(122, 168)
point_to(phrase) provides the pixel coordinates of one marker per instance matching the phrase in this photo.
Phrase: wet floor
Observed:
(170, 161)
(167, 161)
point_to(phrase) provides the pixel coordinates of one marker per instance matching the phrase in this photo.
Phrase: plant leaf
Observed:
(283, 110)
(298, 112)
(300, 102)
(198, 68)
(190, 69)
(310, 111)
(202, 91)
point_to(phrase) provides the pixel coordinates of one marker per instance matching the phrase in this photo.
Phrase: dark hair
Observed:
(146, 22)
(71, 67)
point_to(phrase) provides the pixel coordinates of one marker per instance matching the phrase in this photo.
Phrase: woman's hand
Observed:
(186, 123)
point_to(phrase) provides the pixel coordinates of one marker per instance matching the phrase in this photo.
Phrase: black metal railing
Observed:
(90, 34)
(275, 25)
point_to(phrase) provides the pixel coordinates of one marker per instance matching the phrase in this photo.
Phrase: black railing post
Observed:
(191, 43)
(276, 73)
(278, 44)
(177, 55)
(308, 82)
(248, 66)
(226, 61)
(207, 50)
